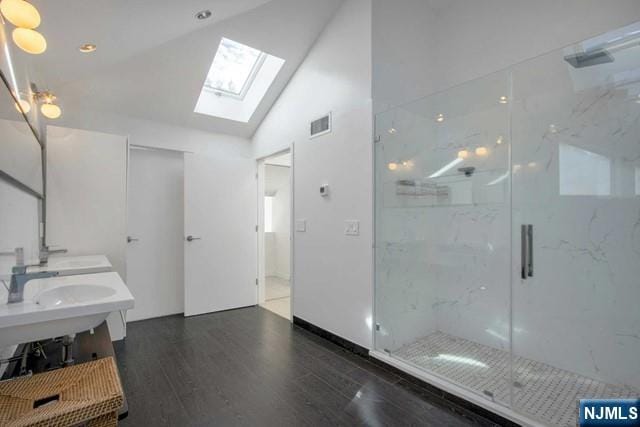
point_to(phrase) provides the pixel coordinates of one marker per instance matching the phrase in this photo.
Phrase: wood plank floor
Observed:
(252, 367)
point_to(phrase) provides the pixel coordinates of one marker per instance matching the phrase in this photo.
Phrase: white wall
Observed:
(86, 193)
(422, 46)
(86, 197)
(160, 135)
(138, 132)
(332, 272)
(277, 244)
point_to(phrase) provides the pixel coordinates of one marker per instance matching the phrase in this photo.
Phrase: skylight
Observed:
(234, 68)
(238, 79)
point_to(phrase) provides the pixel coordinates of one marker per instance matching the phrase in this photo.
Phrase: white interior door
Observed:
(220, 216)
(155, 269)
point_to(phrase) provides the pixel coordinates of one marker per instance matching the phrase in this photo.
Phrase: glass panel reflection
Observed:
(443, 224)
(583, 172)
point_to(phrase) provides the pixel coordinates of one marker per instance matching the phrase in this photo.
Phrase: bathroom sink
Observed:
(71, 265)
(73, 294)
(60, 306)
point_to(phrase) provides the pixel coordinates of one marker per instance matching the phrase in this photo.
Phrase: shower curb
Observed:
(458, 405)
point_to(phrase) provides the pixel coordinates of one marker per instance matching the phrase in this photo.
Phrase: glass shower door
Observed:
(443, 235)
(576, 227)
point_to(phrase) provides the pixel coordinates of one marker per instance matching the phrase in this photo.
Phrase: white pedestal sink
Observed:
(61, 306)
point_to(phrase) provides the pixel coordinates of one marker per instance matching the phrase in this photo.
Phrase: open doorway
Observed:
(274, 214)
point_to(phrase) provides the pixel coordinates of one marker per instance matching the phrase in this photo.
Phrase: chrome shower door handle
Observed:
(524, 251)
(526, 248)
(190, 238)
(530, 249)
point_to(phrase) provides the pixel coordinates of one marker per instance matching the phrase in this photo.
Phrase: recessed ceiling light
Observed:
(88, 48)
(503, 99)
(203, 14)
(440, 118)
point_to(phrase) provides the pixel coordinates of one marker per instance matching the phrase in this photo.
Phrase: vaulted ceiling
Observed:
(153, 55)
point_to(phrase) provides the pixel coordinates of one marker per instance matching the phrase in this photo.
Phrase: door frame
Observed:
(260, 181)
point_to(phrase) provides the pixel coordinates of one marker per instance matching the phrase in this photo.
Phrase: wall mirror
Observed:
(20, 127)
(20, 150)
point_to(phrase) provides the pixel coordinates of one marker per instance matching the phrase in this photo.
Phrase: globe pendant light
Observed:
(23, 106)
(29, 40)
(20, 13)
(50, 111)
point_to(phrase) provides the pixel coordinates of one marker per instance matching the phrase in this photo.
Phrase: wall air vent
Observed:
(320, 126)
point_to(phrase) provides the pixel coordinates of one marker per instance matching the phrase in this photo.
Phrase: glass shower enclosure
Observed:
(507, 235)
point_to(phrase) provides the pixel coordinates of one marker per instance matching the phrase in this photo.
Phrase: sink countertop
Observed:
(69, 265)
(28, 311)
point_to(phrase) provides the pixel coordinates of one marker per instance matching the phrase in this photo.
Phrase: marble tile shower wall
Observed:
(469, 233)
(403, 295)
(576, 155)
(442, 237)
(448, 245)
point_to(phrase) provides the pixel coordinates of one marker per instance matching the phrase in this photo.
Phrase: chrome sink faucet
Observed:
(20, 276)
(45, 252)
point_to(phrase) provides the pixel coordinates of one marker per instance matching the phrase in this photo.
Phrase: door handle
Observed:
(131, 239)
(530, 249)
(524, 251)
(190, 238)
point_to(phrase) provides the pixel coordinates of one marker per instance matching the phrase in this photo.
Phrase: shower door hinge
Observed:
(377, 326)
(376, 138)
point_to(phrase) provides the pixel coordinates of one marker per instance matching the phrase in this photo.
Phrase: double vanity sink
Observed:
(79, 298)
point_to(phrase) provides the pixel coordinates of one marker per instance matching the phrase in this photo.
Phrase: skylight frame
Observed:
(255, 69)
(229, 106)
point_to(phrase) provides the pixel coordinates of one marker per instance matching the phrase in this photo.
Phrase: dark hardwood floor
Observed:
(252, 367)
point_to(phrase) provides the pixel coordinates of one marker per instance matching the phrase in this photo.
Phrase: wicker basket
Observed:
(88, 393)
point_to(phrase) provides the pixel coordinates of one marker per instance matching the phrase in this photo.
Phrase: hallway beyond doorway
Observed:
(278, 296)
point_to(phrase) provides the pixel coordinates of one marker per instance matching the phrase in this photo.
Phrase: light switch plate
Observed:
(301, 225)
(352, 227)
